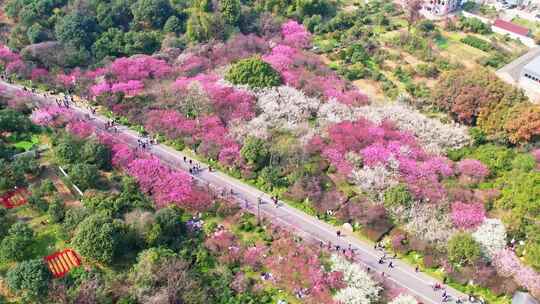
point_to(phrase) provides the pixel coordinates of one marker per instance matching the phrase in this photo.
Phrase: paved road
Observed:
(306, 226)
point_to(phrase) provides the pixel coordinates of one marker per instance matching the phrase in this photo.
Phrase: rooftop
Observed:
(511, 27)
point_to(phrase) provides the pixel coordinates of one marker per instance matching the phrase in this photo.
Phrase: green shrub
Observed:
(463, 249)
(253, 72)
(397, 195)
(97, 238)
(478, 43)
(30, 278)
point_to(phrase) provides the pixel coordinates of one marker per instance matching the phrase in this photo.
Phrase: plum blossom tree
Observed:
(536, 155)
(7, 55)
(100, 88)
(360, 287)
(491, 236)
(297, 267)
(51, 116)
(39, 74)
(283, 107)
(16, 67)
(374, 180)
(468, 216)
(295, 34)
(139, 67)
(508, 265)
(129, 88)
(80, 128)
(228, 102)
(425, 222)
(434, 135)
(165, 186)
(473, 168)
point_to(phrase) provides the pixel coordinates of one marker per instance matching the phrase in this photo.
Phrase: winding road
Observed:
(308, 227)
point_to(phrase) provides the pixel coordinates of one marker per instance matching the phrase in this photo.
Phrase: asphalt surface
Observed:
(308, 227)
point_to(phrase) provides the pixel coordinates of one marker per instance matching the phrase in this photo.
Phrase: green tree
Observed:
(85, 176)
(27, 164)
(532, 256)
(174, 25)
(168, 228)
(109, 43)
(30, 278)
(398, 195)
(497, 158)
(116, 14)
(56, 211)
(94, 153)
(463, 249)
(14, 122)
(14, 246)
(36, 33)
(97, 238)
(77, 29)
(524, 162)
(67, 149)
(151, 13)
(520, 194)
(254, 72)
(146, 42)
(201, 27)
(230, 9)
(255, 151)
(10, 175)
(5, 222)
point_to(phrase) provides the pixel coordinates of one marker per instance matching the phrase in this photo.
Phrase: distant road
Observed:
(304, 225)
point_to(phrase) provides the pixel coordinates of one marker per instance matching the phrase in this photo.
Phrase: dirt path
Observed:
(63, 191)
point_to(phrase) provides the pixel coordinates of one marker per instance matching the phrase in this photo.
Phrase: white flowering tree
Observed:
(281, 107)
(404, 299)
(334, 112)
(360, 289)
(491, 236)
(374, 180)
(435, 135)
(425, 222)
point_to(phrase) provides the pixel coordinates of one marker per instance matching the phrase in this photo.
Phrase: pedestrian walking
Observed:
(416, 269)
(338, 233)
(391, 264)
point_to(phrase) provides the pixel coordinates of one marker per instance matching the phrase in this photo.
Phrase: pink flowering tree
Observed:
(296, 266)
(385, 146)
(139, 67)
(295, 34)
(228, 102)
(79, 128)
(39, 74)
(291, 63)
(6, 55)
(508, 265)
(472, 169)
(468, 216)
(100, 88)
(164, 185)
(536, 155)
(52, 116)
(128, 88)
